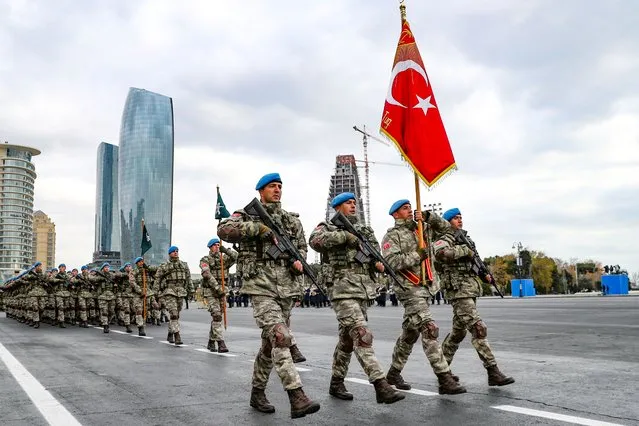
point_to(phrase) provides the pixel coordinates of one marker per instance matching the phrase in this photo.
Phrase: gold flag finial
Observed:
(402, 10)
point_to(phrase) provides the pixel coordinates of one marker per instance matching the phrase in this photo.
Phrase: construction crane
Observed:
(365, 137)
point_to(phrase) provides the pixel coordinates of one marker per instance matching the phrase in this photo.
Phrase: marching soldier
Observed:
(106, 296)
(140, 283)
(85, 296)
(400, 247)
(37, 293)
(212, 291)
(124, 295)
(60, 281)
(174, 282)
(351, 288)
(463, 287)
(273, 286)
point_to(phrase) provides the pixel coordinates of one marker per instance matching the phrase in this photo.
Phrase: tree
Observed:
(499, 267)
(542, 272)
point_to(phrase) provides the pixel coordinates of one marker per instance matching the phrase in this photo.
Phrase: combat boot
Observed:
(178, 339)
(141, 331)
(385, 394)
(36, 324)
(61, 324)
(30, 323)
(169, 338)
(296, 354)
(448, 385)
(260, 402)
(128, 329)
(394, 377)
(105, 329)
(221, 347)
(338, 389)
(211, 346)
(497, 378)
(300, 404)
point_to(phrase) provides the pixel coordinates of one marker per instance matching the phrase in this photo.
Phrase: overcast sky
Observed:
(540, 100)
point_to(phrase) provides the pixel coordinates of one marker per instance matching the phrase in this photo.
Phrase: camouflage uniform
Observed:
(350, 287)
(106, 296)
(37, 294)
(85, 296)
(462, 289)
(212, 292)
(140, 282)
(400, 247)
(273, 286)
(174, 282)
(60, 282)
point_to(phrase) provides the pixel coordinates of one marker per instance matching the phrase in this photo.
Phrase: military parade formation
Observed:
(271, 264)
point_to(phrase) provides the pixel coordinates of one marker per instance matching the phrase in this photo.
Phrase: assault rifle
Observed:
(281, 243)
(477, 265)
(366, 252)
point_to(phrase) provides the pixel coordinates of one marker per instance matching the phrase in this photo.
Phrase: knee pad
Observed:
(430, 330)
(217, 317)
(174, 316)
(410, 336)
(362, 337)
(479, 330)
(345, 343)
(281, 336)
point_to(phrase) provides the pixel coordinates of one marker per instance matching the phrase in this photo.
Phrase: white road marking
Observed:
(141, 337)
(52, 411)
(302, 369)
(554, 416)
(118, 331)
(173, 344)
(413, 391)
(215, 353)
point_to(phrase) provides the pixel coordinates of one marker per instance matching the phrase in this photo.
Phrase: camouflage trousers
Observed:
(107, 311)
(354, 336)
(61, 304)
(419, 322)
(125, 310)
(174, 306)
(153, 306)
(466, 318)
(36, 305)
(217, 317)
(83, 308)
(273, 317)
(136, 307)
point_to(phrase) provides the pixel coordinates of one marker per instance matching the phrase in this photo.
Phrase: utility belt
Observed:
(459, 268)
(175, 282)
(355, 268)
(271, 262)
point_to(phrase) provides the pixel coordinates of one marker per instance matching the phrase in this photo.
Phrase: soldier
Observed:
(212, 291)
(84, 295)
(273, 286)
(125, 295)
(140, 283)
(174, 282)
(351, 288)
(60, 283)
(462, 289)
(106, 296)
(37, 293)
(401, 250)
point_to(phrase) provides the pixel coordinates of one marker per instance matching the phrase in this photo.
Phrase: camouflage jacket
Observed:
(211, 266)
(261, 275)
(344, 277)
(84, 285)
(60, 284)
(104, 285)
(138, 278)
(400, 249)
(174, 278)
(36, 283)
(454, 267)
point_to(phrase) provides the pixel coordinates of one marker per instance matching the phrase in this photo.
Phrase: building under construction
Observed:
(345, 179)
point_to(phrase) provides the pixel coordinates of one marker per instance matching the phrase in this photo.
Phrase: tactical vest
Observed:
(459, 267)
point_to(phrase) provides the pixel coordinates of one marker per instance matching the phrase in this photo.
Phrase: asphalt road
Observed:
(572, 357)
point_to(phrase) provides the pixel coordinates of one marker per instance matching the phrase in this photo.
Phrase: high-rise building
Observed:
(17, 177)
(43, 239)
(345, 179)
(107, 212)
(146, 174)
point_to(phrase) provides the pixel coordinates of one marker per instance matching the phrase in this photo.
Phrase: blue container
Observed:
(522, 288)
(614, 284)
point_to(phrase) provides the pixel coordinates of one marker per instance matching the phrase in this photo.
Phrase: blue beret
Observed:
(35, 265)
(84, 267)
(342, 198)
(449, 214)
(397, 204)
(266, 179)
(54, 269)
(213, 241)
(172, 249)
(127, 264)
(104, 264)
(121, 268)
(137, 259)
(61, 265)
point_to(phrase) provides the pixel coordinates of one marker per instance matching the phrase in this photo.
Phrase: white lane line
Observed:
(554, 416)
(302, 369)
(173, 344)
(413, 391)
(118, 331)
(215, 353)
(52, 411)
(141, 337)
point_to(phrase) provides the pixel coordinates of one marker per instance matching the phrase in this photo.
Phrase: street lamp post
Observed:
(517, 245)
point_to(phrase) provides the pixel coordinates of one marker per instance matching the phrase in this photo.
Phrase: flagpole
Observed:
(143, 280)
(222, 266)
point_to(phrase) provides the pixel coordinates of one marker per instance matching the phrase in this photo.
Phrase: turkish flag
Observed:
(411, 117)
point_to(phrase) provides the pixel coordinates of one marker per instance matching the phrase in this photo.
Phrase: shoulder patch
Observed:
(236, 214)
(440, 243)
(386, 245)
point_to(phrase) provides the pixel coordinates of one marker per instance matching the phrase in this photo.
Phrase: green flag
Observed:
(146, 241)
(220, 208)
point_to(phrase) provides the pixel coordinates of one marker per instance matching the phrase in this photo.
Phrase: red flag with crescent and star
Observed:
(411, 117)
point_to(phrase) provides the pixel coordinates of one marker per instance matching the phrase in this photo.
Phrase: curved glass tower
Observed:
(17, 176)
(107, 213)
(146, 174)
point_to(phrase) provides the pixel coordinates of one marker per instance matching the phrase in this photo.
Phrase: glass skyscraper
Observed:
(17, 178)
(146, 174)
(107, 212)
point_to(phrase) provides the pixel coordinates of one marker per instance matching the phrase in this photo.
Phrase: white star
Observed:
(424, 104)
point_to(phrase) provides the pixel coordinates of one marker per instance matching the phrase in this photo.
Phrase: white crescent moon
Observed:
(399, 67)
